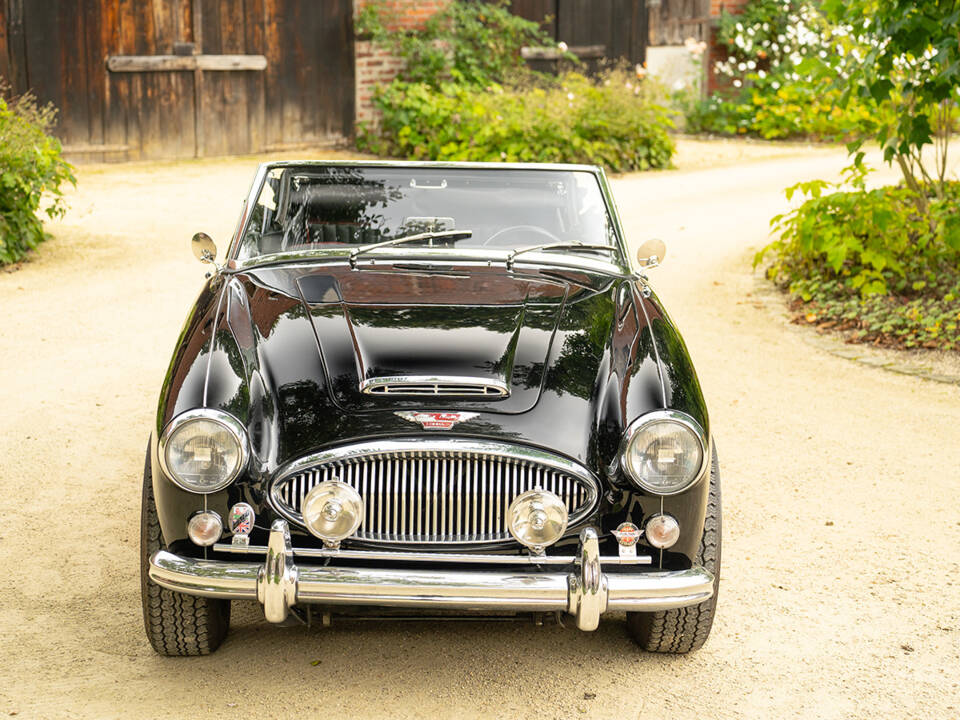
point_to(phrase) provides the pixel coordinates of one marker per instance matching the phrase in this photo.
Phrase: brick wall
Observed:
(374, 66)
(715, 52)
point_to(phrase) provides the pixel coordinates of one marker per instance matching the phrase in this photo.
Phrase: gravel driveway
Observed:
(841, 579)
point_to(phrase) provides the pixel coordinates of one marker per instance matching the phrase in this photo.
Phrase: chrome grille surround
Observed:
(428, 490)
(430, 385)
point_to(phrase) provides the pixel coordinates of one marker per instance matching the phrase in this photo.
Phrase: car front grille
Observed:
(430, 491)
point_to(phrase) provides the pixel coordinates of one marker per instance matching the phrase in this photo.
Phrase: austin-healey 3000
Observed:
(424, 388)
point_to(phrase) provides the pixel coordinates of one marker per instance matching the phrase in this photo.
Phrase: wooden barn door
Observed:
(142, 79)
(593, 29)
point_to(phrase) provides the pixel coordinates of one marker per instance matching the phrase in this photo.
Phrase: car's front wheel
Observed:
(176, 624)
(684, 629)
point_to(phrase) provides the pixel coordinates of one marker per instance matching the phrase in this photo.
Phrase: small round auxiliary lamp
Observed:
(537, 519)
(332, 511)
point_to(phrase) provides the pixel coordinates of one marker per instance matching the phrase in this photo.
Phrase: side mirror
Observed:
(204, 248)
(651, 253)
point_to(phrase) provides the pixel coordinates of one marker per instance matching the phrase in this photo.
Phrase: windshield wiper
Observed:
(575, 247)
(438, 235)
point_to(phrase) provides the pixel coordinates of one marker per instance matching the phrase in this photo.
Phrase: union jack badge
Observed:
(241, 519)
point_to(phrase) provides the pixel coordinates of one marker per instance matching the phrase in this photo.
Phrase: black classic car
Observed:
(433, 389)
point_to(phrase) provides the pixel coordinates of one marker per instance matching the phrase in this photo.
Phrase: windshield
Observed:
(315, 207)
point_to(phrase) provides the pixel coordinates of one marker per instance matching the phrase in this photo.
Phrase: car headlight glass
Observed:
(664, 452)
(203, 451)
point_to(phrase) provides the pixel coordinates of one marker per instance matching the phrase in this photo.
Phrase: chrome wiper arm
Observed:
(576, 247)
(440, 234)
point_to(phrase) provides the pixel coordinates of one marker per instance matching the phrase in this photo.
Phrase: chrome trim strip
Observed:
(436, 449)
(437, 557)
(681, 419)
(229, 422)
(429, 257)
(586, 594)
(433, 385)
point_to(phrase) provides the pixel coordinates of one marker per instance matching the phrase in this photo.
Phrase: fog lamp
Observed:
(662, 531)
(537, 518)
(204, 528)
(332, 511)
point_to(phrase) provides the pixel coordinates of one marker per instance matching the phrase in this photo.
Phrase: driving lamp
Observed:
(203, 450)
(537, 518)
(332, 511)
(662, 531)
(664, 452)
(204, 528)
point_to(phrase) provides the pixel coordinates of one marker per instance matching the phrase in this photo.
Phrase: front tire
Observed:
(176, 624)
(685, 629)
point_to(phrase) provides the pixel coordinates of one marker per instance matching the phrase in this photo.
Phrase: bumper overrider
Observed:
(279, 584)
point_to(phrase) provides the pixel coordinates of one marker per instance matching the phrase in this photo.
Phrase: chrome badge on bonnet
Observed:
(435, 420)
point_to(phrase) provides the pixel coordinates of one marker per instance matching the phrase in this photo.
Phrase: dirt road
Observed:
(841, 579)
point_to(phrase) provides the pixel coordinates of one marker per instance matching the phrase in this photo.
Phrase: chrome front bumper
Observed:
(278, 584)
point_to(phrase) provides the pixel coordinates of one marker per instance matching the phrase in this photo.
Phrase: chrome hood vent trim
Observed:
(428, 385)
(428, 490)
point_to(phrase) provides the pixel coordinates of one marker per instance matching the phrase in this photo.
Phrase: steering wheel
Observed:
(530, 228)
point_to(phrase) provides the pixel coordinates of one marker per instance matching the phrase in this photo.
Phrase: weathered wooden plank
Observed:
(174, 63)
(548, 53)
(16, 40)
(4, 46)
(196, 31)
(95, 70)
(254, 42)
(273, 49)
(539, 11)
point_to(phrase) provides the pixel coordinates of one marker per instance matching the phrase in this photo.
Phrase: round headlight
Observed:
(537, 518)
(203, 450)
(664, 452)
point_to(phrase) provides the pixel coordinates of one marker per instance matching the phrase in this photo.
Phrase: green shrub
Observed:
(868, 261)
(617, 122)
(807, 110)
(466, 94)
(30, 165)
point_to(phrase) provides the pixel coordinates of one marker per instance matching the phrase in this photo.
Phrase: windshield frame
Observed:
(619, 265)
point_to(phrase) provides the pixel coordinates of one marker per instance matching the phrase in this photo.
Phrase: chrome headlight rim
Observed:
(225, 420)
(659, 416)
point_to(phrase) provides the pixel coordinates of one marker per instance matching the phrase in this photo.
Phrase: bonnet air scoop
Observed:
(439, 386)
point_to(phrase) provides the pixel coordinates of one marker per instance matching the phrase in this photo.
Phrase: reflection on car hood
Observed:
(486, 326)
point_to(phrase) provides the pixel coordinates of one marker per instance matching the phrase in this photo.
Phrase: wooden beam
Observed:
(552, 53)
(196, 20)
(175, 63)
(95, 148)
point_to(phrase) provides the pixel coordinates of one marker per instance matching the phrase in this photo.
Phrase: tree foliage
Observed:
(912, 70)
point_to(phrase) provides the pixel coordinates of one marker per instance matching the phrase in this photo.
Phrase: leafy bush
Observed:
(782, 58)
(30, 165)
(466, 94)
(614, 123)
(868, 261)
(469, 42)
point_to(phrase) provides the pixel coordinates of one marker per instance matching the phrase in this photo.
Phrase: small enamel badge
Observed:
(435, 420)
(627, 535)
(241, 521)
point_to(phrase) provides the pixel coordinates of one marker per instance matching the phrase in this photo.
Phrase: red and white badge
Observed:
(627, 535)
(435, 420)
